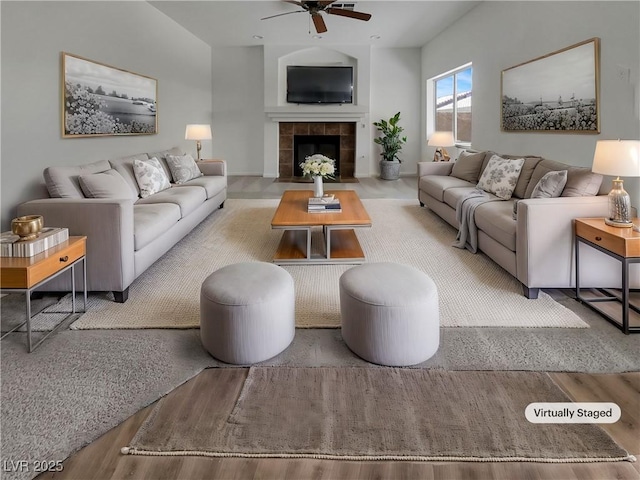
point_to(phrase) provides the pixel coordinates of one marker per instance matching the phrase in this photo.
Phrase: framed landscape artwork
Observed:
(558, 92)
(99, 100)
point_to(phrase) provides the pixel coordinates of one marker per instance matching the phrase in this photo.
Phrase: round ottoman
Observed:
(247, 312)
(390, 313)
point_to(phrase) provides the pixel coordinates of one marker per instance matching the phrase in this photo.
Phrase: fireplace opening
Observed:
(306, 145)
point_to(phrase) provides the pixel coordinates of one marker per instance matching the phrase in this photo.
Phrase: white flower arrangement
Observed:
(318, 165)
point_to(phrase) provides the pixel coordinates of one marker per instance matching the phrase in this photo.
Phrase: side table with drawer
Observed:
(25, 274)
(620, 307)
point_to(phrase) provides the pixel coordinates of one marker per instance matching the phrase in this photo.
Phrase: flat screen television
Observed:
(319, 84)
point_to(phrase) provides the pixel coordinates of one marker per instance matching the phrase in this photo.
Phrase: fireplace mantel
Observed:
(315, 113)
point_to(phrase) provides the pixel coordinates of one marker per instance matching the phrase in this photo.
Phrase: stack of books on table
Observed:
(326, 204)
(12, 246)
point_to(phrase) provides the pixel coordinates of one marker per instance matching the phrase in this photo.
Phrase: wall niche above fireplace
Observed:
(344, 142)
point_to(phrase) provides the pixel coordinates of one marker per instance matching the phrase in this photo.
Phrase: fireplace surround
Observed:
(345, 138)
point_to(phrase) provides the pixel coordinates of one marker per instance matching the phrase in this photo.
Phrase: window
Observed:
(453, 103)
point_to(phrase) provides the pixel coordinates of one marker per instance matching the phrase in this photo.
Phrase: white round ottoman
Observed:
(390, 313)
(247, 312)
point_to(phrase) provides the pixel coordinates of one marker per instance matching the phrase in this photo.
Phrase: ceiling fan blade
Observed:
(281, 14)
(349, 13)
(318, 21)
(326, 3)
(300, 4)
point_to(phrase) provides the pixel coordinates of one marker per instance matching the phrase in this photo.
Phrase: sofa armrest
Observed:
(108, 226)
(434, 168)
(213, 167)
(545, 251)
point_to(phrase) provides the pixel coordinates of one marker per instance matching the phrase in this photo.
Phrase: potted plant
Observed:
(391, 143)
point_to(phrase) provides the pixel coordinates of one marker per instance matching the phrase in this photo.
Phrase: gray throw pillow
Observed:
(183, 168)
(550, 185)
(468, 166)
(582, 182)
(109, 184)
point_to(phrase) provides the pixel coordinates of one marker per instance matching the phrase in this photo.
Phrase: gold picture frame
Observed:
(555, 93)
(101, 100)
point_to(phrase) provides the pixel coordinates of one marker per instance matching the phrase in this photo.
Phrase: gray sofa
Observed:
(534, 241)
(125, 236)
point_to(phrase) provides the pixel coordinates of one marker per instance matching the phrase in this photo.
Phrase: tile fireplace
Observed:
(299, 139)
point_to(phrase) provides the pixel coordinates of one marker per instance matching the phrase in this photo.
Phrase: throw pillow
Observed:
(109, 184)
(582, 182)
(183, 168)
(150, 176)
(468, 166)
(550, 185)
(501, 176)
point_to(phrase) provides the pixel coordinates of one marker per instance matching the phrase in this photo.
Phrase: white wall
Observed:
(396, 87)
(238, 108)
(247, 81)
(498, 35)
(130, 35)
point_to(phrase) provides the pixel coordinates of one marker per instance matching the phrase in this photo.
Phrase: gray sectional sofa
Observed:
(534, 241)
(126, 234)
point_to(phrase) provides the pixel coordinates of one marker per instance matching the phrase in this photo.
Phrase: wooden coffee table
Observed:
(340, 241)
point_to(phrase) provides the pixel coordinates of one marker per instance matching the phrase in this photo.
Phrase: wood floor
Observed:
(102, 458)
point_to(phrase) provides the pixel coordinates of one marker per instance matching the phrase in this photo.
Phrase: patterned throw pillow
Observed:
(501, 176)
(183, 168)
(150, 176)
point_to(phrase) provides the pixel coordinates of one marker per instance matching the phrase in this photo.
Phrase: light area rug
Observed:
(352, 413)
(473, 290)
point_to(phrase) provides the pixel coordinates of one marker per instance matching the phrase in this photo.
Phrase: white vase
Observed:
(317, 186)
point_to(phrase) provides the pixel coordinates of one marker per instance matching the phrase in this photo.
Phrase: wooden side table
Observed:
(622, 244)
(25, 274)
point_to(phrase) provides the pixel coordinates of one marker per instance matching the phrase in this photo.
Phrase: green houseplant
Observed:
(391, 142)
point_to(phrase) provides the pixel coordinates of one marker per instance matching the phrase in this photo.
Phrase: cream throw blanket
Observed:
(465, 215)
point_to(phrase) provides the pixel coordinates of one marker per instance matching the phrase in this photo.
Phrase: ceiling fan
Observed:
(315, 8)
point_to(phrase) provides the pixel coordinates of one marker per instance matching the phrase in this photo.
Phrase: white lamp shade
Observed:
(441, 139)
(198, 132)
(618, 158)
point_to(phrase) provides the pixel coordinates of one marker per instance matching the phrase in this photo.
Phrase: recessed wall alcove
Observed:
(345, 132)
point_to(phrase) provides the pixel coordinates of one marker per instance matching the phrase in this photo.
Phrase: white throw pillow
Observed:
(109, 184)
(183, 168)
(501, 176)
(150, 176)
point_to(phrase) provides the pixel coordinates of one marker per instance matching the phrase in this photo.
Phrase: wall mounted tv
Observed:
(319, 84)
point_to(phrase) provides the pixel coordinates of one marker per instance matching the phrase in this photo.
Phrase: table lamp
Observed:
(197, 133)
(441, 140)
(619, 158)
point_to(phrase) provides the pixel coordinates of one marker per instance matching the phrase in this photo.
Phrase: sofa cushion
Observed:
(494, 218)
(183, 168)
(468, 166)
(528, 167)
(436, 185)
(501, 176)
(109, 184)
(581, 181)
(188, 198)
(124, 166)
(150, 176)
(62, 182)
(152, 220)
(453, 195)
(162, 158)
(212, 185)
